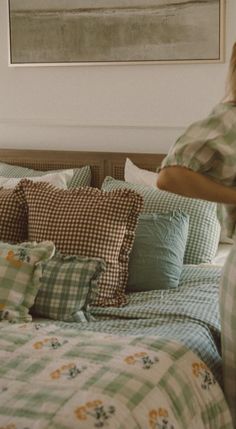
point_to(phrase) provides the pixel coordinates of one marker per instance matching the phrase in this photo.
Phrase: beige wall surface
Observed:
(135, 108)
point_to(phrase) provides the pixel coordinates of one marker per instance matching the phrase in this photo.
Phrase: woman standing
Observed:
(202, 164)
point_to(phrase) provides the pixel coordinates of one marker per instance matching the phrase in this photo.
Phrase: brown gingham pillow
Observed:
(13, 228)
(86, 222)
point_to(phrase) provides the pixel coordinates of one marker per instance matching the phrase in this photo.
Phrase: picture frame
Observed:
(108, 32)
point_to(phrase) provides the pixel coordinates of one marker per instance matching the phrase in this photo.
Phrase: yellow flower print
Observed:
(130, 360)
(159, 419)
(140, 354)
(153, 414)
(38, 345)
(11, 258)
(94, 404)
(81, 413)
(97, 411)
(55, 375)
(202, 372)
(162, 412)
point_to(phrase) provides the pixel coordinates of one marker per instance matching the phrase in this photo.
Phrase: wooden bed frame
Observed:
(102, 163)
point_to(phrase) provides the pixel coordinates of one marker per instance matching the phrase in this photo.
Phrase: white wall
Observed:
(138, 108)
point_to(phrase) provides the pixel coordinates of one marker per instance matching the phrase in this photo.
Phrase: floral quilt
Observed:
(57, 377)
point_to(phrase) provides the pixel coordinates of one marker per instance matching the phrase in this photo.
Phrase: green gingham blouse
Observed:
(209, 146)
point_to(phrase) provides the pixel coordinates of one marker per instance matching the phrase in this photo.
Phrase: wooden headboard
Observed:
(102, 163)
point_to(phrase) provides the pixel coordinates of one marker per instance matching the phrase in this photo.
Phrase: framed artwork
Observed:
(74, 32)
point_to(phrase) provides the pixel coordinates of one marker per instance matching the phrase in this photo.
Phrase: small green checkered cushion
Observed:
(19, 277)
(81, 176)
(66, 286)
(204, 227)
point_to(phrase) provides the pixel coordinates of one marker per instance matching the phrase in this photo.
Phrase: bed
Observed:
(152, 362)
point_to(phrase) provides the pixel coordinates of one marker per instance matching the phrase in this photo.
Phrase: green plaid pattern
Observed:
(204, 227)
(175, 314)
(58, 378)
(66, 286)
(19, 277)
(228, 327)
(208, 146)
(81, 176)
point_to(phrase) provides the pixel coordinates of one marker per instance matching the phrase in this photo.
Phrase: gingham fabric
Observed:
(81, 176)
(204, 227)
(66, 286)
(61, 378)
(19, 277)
(86, 222)
(13, 227)
(228, 327)
(175, 314)
(208, 146)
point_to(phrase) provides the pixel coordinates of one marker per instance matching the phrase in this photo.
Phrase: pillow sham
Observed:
(60, 180)
(13, 227)
(157, 255)
(81, 176)
(86, 222)
(66, 286)
(204, 227)
(139, 176)
(19, 278)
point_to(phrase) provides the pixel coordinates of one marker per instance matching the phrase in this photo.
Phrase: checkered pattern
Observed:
(175, 314)
(208, 146)
(19, 277)
(228, 326)
(13, 228)
(53, 377)
(86, 222)
(204, 228)
(81, 176)
(66, 286)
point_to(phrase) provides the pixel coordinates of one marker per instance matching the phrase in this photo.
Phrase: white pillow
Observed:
(58, 179)
(139, 176)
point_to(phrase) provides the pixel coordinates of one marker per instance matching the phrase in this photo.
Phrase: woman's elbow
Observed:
(165, 180)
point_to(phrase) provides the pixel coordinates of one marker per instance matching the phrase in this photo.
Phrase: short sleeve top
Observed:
(209, 146)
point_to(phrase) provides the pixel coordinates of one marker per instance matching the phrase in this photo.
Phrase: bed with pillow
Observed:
(108, 296)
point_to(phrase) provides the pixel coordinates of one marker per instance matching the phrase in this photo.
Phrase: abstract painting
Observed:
(115, 31)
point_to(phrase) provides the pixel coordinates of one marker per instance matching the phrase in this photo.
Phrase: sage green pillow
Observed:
(81, 176)
(157, 255)
(67, 286)
(204, 227)
(20, 271)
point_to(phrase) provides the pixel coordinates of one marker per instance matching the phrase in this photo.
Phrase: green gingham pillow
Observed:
(204, 227)
(66, 287)
(20, 271)
(81, 176)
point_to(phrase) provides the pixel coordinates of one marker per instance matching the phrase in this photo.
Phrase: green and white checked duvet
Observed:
(132, 367)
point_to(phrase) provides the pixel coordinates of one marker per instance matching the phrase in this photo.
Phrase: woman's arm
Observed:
(189, 183)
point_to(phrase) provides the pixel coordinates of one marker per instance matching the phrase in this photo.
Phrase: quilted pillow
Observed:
(66, 286)
(86, 222)
(13, 228)
(80, 176)
(19, 277)
(204, 227)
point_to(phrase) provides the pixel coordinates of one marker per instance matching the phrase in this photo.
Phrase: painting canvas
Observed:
(98, 31)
